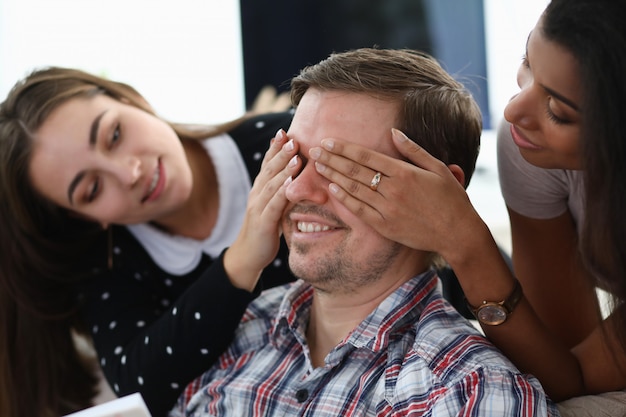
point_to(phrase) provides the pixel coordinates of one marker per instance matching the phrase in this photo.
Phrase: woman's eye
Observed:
(93, 192)
(556, 119)
(116, 135)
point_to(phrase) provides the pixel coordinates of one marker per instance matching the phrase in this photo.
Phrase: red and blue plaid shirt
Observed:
(414, 355)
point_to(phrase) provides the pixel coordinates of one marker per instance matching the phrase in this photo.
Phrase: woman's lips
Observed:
(521, 141)
(157, 184)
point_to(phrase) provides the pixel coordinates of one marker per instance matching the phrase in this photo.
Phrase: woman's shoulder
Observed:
(529, 190)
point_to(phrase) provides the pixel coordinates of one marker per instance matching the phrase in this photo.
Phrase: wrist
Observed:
(480, 266)
(495, 313)
(471, 241)
(240, 274)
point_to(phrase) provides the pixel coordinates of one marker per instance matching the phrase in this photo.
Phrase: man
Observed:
(365, 331)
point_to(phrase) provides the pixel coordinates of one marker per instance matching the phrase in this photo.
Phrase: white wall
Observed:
(183, 55)
(507, 25)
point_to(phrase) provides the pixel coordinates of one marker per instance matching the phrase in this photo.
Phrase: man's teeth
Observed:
(155, 181)
(311, 227)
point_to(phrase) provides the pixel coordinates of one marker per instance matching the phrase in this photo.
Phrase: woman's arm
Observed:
(587, 368)
(155, 332)
(546, 261)
(425, 207)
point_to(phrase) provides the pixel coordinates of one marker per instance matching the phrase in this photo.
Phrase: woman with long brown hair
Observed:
(147, 236)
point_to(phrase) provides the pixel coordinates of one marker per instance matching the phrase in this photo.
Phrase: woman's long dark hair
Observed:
(595, 34)
(45, 251)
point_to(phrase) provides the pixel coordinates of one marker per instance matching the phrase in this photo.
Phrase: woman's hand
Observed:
(423, 205)
(420, 204)
(259, 238)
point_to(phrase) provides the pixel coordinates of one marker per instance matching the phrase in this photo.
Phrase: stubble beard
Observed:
(337, 271)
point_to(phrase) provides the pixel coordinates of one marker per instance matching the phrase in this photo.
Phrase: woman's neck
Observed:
(197, 217)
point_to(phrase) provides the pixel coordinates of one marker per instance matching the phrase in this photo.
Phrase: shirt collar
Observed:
(401, 308)
(179, 255)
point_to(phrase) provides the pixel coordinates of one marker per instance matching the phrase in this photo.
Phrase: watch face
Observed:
(491, 314)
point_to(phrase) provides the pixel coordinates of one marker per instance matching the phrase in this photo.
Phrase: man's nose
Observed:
(309, 185)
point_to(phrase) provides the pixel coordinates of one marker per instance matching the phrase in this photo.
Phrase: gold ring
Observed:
(375, 181)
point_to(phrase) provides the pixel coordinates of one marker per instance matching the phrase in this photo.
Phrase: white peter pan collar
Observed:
(179, 255)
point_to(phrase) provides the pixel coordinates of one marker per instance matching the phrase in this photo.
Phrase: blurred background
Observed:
(204, 61)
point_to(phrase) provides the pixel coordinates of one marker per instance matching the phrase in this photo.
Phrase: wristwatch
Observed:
(493, 313)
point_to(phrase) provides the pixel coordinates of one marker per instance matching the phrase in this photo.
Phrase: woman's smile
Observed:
(157, 184)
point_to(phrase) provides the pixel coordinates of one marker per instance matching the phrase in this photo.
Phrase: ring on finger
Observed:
(375, 181)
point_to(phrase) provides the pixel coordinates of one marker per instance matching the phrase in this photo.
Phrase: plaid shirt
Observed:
(414, 355)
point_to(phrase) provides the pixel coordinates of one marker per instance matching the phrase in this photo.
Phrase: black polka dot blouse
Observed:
(154, 332)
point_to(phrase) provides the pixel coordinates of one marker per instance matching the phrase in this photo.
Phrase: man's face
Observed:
(330, 247)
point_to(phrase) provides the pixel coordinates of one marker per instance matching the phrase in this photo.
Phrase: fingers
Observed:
(367, 182)
(272, 211)
(258, 239)
(276, 144)
(366, 211)
(277, 157)
(361, 182)
(280, 163)
(353, 167)
(415, 153)
(359, 165)
(354, 156)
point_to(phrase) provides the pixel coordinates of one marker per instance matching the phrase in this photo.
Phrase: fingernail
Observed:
(320, 167)
(328, 144)
(399, 135)
(315, 153)
(289, 146)
(334, 188)
(293, 161)
(287, 181)
(280, 134)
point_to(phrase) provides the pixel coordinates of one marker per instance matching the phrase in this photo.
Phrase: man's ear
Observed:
(458, 173)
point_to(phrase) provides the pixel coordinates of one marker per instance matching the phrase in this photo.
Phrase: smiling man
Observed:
(365, 330)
